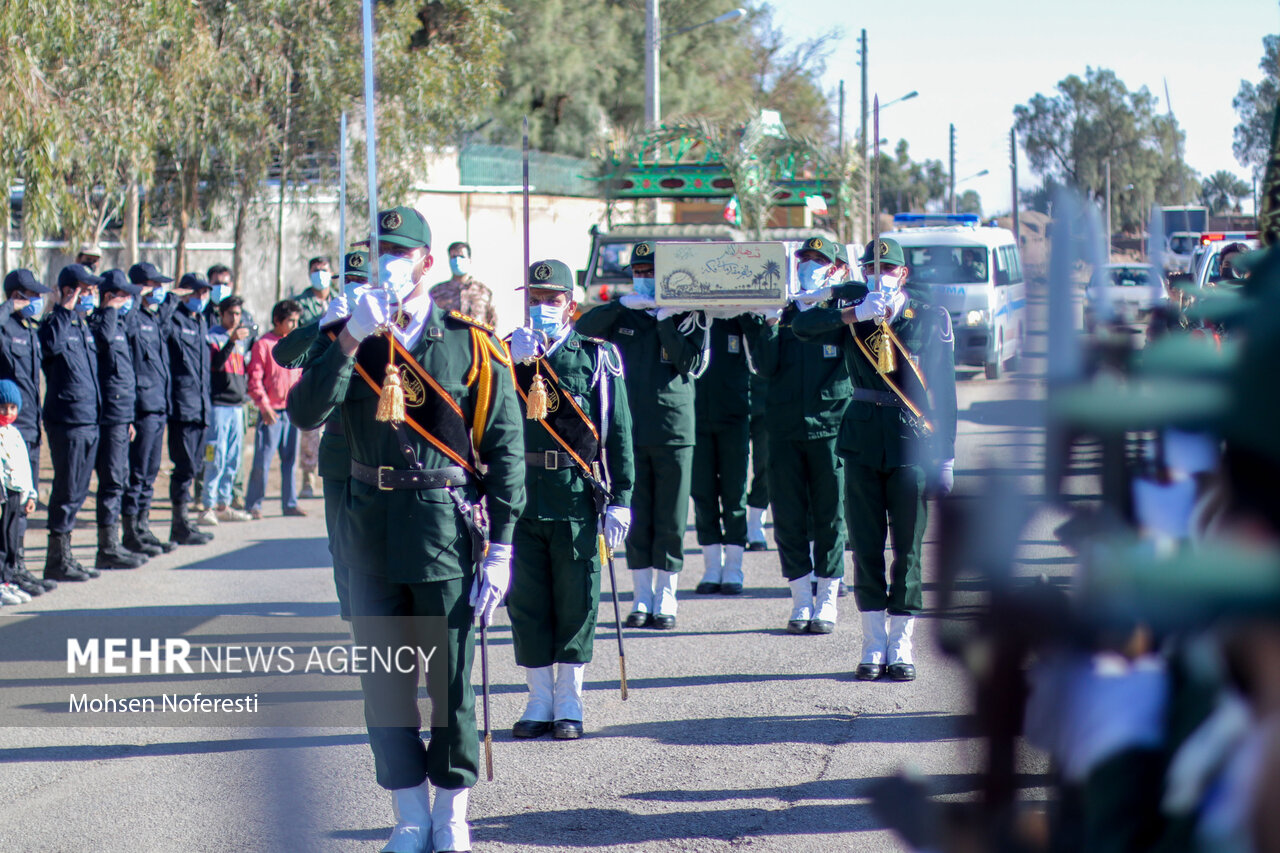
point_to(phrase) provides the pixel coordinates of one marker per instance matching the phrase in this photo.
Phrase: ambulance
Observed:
(975, 273)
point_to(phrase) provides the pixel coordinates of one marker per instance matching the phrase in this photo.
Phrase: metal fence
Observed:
(549, 174)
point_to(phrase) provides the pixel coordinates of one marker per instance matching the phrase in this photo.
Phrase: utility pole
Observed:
(840, 123)
(1013, 167)
(1108, 179)
(868, 213)
(652, 95)
(953, 168)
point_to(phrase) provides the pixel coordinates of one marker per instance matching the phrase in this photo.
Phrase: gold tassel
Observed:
(885, 362)
(537, 399)
(391, 400)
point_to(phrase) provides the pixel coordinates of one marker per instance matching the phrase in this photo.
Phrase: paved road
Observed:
(736, 734)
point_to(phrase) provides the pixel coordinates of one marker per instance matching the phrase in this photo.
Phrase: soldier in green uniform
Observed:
(758, 496)
(407, 527)
(897, 439)
(661, 363)
(723, 410)
(808, 391)
(335, 457)
(578, 480)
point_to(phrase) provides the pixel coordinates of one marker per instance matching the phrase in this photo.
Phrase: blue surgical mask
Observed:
(546, 319)
(156, 296)
(320, 280)
(396, 275)
(34, 308)
(87, 303)
(195, 304)
(642, 286)
(126, 307)
(459, 265)
(812, 275)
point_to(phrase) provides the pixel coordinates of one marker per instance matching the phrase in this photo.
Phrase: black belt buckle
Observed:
(550, 460)
(381, 470)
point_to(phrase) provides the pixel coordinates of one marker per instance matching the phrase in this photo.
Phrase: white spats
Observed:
(541, 687)
(412, 808)
(875, 637)
(713, 563)
(642, 598)
(801, 599)
(733, 566)
(824, 603)
(900, 630)
(449, 820)
(568, 691)
(665, 592)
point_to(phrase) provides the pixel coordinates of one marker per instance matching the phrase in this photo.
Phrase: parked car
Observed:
(1122, 294)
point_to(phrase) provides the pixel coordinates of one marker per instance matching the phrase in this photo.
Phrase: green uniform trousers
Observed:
(758, 497)
(720, 484)
(876, 502)
(804, 484)
(335, 468)
(555, 592)
(451, 759)
(660, 507)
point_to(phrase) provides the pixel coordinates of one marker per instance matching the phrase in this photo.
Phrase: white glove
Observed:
(665, 312)
(492, 581)
(897, 301)
(338, 309)
(527, 344)
(812, 297)
(874, 304)
(617, 522)
(371, 311)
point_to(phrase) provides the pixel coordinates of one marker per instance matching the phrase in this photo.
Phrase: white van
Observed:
(975, 272)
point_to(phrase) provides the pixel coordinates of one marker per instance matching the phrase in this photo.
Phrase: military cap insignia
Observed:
(401, 319)
(909, 313)
(392, 220)
(642, 250)
(357, 259)
(816, 243)
(542, 272)
(884, 248)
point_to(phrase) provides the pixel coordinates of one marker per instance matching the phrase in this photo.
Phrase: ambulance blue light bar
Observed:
(936, 219)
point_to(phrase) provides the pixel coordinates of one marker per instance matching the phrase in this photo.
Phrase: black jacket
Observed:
(115, 367)
(20, 361)
(70, 361)
(148, 330)
(189, 367)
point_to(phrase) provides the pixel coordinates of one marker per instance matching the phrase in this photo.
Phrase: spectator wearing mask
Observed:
(19, 500)
(313, 302)
(462, 292)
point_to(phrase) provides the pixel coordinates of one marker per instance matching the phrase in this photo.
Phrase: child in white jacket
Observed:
(19, 494)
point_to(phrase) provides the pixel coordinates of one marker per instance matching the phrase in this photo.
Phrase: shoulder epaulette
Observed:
(596, 341)
(470, 321)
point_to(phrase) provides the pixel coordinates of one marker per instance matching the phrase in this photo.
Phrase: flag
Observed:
(732, 214)
(816, 203)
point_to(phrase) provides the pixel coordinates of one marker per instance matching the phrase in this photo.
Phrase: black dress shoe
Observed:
(757, 546)
(869, 671)
(798, 626)
(731, 589)
(568, 729)
(636, 619)
(821, 626)
(707, 588)
(530, 728)
(662, 622)
(902, 672)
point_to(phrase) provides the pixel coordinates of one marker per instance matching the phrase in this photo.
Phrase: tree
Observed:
(907, 185)
(1091, 122)
(969, 202)
(1222, 191)
(1256, 106)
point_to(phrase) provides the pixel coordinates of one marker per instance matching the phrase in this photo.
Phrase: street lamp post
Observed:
(652, 42)
(866, 142)
(981, 174)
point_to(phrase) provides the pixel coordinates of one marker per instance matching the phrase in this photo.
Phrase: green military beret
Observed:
(356, 265)
(642, 252)
(833, 250)
(402, 226)
(550, 275)
(890, 253)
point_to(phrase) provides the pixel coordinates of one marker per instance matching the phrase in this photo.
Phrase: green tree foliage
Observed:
(1222, 192)
(1072, 135)
(577, 70)
(907, 185)
(1255, 103)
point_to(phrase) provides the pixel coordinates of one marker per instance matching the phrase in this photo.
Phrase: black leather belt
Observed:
(552, 460)
(387, 478)
(880, 398)
(334, 427)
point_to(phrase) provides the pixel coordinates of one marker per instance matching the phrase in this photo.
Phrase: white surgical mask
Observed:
(884, 282)
(643, 285)
(547, 319)
(220, 292)
(459, 265)
(396, 275)
(320, 280)
(812, 275)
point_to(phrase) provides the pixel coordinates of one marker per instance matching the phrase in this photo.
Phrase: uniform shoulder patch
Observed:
(470, 321)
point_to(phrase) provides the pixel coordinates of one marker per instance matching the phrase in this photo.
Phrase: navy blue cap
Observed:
(194, 281)
(22, 279)
(117, 280)
(10, 392)
(146, 272)
(74, 275)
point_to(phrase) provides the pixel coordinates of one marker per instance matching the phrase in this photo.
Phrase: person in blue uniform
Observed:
(20, 361)
(147, 327)
(118, 385)
(69, 357)
(191, 375)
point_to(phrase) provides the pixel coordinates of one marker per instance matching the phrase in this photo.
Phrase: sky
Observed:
(973, 62)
